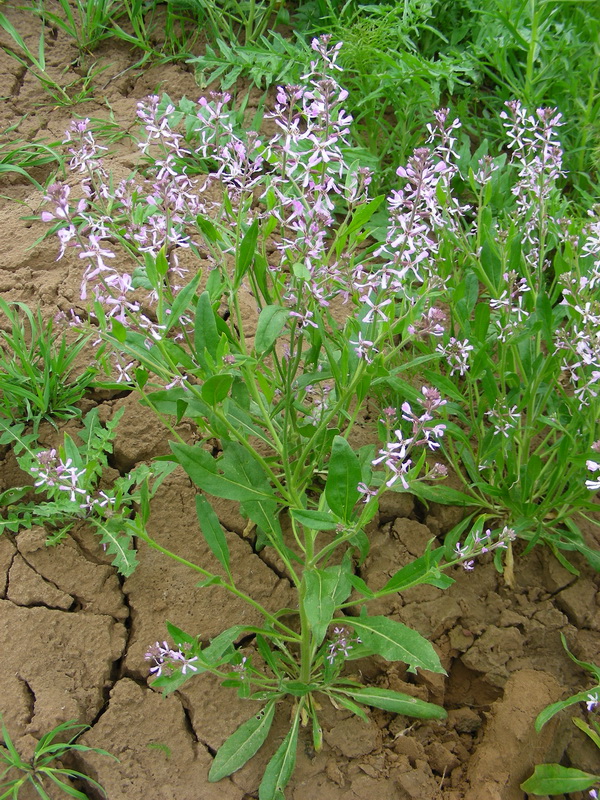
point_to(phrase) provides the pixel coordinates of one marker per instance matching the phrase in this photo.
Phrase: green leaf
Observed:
(363, 214)
(216, 388)
(206, 335)
(314, 520)
(398, 703)
(441, 494)
(221, 643)
(361, 587)
(208, 229)
(344, 701)
(395, 642)
(117, 543)
(344, 475)
(242, 744)
(550, 711)
(182, 300)
(325, 590)
(212, 531)
(270, 324)
(280, 767)
(202, 469)
(593, 668)
(555, 779)
(415, 573)
(181, 638)
(246, 253)
(318, 601)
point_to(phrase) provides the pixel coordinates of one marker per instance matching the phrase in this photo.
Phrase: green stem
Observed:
(290, 635)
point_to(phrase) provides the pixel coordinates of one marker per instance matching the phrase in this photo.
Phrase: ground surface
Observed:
(74, 633)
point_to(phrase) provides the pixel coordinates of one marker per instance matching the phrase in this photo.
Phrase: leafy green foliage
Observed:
(242, 744)
(40, 771)
(78, 497)
(556, 779)
(268, 61)
(36, 368)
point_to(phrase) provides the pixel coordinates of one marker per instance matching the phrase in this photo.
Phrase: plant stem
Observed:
(290, 635)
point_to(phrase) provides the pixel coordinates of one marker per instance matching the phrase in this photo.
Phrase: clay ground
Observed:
(73, 633)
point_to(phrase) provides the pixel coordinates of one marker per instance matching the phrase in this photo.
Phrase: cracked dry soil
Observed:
(73, 633)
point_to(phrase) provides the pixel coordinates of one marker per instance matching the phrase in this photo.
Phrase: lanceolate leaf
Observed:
(280, 767)
(246, 253)
(318, 601)
(314, 520)
(395, 642)
(445, 495)
(206, 335)
(413, 573)
(343, 477)
(547, 714)
(270, 324)
(212, 531)
(398, 703)
(182, 300)
(242, 744)
(555, 779)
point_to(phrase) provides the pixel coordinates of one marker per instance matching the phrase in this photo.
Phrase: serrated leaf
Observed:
(118, 544)
(242, 744)
(395, 642)
(398, 703)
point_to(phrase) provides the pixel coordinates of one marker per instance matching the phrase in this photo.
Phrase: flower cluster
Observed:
(511, 305)
(504, 419)
(167, 660)
(55, 475)
(538, 154)
(480, 543)
(395, 454)
(341, 644)
(580, 341)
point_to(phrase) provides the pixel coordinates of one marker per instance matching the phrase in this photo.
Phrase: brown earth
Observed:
(73, 633)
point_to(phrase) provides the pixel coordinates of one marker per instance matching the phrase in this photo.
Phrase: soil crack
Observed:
(4, 591)
(30, 697)
(45, 578)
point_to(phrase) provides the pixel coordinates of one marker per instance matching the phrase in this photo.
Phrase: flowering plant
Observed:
(515, 319)
(315, 305)
(69, 480)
